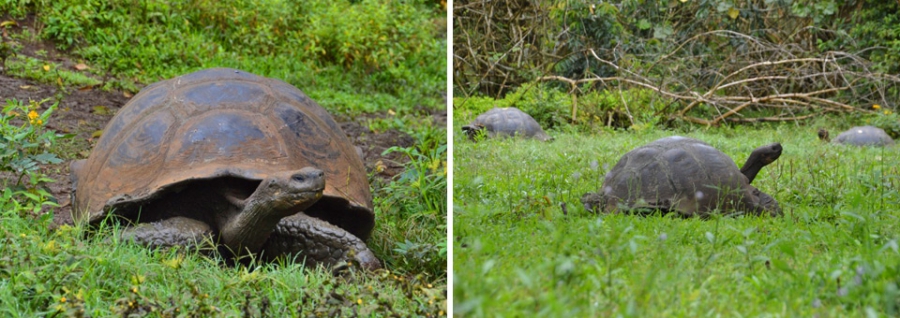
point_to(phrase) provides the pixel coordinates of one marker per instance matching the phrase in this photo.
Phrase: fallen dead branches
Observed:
(784, 80)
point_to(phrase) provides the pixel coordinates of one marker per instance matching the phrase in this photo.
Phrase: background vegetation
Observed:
(707, 62)
(383, 59)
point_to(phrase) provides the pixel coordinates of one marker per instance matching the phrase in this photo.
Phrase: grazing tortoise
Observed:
(860, 136)
(225, 156)
(507, 121)
(687, 176)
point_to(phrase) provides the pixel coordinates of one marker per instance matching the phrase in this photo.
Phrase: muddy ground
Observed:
(78, 114)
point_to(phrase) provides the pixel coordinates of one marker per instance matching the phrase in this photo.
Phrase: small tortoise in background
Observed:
(507, 121)
(860, 136)
(225, 156)
(686, 176)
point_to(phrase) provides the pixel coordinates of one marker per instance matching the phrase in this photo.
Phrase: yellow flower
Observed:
(62, 300)
(32, 116)
(876, 107)
(359, 301)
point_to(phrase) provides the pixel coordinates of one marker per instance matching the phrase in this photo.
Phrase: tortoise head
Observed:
(823, 135)
(760, 157)
(472, 130)
(593, 201)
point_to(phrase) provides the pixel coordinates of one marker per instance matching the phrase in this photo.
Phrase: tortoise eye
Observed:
(298, 177)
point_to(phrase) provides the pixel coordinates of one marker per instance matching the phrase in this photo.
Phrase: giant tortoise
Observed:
(685, 176)
(248, 163)
(506, 122)
(860, 136)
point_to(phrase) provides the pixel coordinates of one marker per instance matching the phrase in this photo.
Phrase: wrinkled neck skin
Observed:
(249, 227)
(752, 166)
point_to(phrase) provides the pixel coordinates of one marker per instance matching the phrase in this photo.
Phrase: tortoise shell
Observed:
(682, 175)
(220, 123)
(507, 121)
(864, 136)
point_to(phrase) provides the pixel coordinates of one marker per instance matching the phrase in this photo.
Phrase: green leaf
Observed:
(47, 158)
(643, 24)
(782, 266)
(733, 13)
(662, 32)
(788, 249)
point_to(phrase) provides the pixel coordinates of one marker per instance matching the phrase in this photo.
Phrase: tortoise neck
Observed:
(752, 166)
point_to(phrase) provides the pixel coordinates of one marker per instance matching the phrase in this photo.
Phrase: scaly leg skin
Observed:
(319, 241)
(171, 232)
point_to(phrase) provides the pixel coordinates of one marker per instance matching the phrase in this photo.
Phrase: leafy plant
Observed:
(412, 207)
(25, 145)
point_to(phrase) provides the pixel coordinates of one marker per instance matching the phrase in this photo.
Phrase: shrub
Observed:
(24, 145)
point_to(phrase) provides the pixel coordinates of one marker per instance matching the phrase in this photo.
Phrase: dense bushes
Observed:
(374, 46)
(637, 34)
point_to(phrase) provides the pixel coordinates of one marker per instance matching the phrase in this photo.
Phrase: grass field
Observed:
(517, 253)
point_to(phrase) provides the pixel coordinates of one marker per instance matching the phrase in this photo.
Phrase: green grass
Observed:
(52, 273)
(834, 253)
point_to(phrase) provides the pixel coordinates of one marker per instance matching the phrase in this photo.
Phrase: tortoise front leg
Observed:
(171, 232)
(319, 241)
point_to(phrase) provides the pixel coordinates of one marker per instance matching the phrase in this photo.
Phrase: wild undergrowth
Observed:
(353, 57)
(524, 244)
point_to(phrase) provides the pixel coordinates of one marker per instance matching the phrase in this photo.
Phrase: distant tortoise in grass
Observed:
(225, 156)
(860, 136)
(507, 121)
(686, 176)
